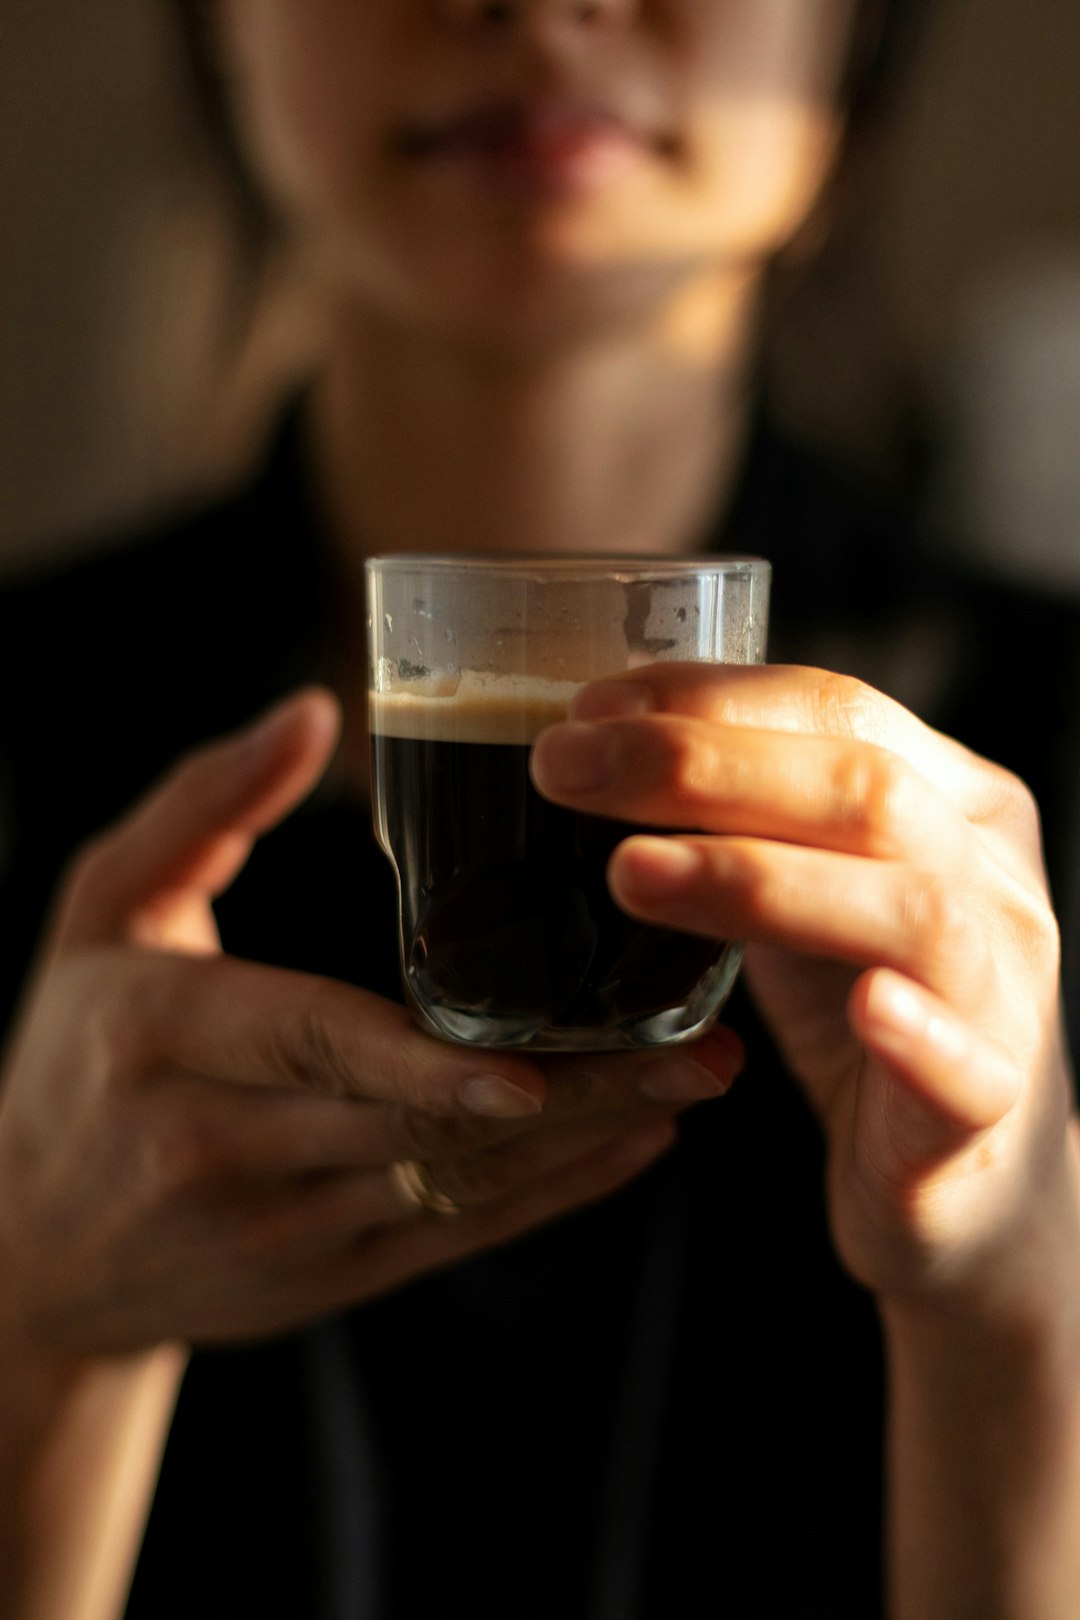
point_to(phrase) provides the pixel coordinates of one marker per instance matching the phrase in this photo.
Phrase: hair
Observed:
(884, 31)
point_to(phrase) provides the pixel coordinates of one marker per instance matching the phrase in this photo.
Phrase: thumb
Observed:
(932, 1083)
(150, 877)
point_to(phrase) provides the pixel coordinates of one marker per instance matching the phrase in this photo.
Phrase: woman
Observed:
(539, 229)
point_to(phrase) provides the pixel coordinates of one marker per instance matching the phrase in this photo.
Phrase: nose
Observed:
(496, 14)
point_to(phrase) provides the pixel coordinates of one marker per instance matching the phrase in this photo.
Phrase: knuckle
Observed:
(1015, 804)
(687, 769)
(115, 1045)
(480, 1180)
(1038, 935)
(306, 1053)
(91, 872)
(580, 1086)
(262, 1239)
(870, 797)
(180, 1155)
(842, 706)
(1047, 936)
(939, 916)
(420, 1135)
(755, 882)
(422, 1087)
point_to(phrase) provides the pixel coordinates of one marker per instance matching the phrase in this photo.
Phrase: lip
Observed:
(532, 148)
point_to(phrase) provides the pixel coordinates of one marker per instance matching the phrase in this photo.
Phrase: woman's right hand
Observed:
(197, 1148)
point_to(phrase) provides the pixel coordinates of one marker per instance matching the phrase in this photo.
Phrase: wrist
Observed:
(81, 1436)
(35, 1376)
(983, 1480)
(988, 1360)
(1015, 1295)
(42, 1377)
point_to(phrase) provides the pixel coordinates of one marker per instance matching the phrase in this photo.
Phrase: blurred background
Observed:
(138, 360)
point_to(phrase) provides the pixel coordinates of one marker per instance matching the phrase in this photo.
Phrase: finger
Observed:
(477, 1179)
(251, 1025)
(291, 1133)
(863, 912)
(947, 1081)
(192, 834)
(785, 698)
(210, 1133)
(265, 1135)
(596, 1083)
(615, 1090)
(409, 1249)
(671, 771)
(336, 1211)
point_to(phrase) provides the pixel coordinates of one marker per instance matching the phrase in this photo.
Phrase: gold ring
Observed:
(416, 1187)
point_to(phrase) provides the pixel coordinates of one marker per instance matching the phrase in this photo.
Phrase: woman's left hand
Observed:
(902, 948)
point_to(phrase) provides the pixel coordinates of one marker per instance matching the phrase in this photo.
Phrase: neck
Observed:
(624, 443)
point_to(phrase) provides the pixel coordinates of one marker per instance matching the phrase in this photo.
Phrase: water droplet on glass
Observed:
(389, 623)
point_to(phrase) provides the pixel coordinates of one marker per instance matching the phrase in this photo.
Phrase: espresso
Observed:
(509, 933)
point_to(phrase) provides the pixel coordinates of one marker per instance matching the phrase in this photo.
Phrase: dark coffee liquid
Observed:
(508, 926)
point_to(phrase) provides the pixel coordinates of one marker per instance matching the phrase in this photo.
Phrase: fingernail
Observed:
(572, 759)
(680, 1079)
(497, 1098)
(723, 1047)
(611, 700)
(658, 867)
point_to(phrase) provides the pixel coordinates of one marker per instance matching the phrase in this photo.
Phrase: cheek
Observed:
(309, 98)
(747, 176)
(758, 80)
(757, 168)
(754, 84)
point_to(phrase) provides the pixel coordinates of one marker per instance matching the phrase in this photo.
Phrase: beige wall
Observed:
(127, 372)
(113, 262)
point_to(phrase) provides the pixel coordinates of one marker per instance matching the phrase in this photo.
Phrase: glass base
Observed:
(670, 1027)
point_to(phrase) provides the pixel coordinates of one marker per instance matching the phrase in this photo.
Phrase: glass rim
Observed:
(551, 566)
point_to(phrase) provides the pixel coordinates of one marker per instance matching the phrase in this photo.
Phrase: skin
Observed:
(325, 92)
(564, 369)
(193, 1148)
(904, 951)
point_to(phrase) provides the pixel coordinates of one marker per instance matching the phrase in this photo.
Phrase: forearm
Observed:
(984, 1459)
(80, 1449)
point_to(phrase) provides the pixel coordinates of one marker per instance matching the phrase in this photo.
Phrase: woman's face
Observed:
(521, 165)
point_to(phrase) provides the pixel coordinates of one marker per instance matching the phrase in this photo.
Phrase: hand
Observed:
(194, 1147)
(903, 951)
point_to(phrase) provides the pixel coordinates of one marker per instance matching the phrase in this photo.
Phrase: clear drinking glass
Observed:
(508, 934)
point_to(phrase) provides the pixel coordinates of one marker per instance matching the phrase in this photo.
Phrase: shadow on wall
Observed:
(126, 373)
(954, 285)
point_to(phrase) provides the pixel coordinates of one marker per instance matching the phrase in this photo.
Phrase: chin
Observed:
(515, 295)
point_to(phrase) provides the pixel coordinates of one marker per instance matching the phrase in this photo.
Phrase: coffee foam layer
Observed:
(470, 708)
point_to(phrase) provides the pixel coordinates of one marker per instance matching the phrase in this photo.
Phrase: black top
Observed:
(664, 1406)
